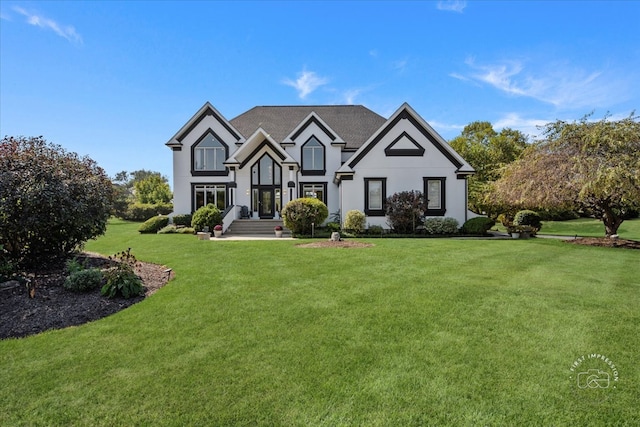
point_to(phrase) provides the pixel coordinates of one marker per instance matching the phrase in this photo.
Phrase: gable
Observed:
(404, 145)
(207, 114)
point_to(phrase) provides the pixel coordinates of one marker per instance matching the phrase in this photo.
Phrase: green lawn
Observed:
(408, 332)
(589, 227)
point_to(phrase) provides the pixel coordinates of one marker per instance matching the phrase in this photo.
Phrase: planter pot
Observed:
(217, 233)
(515, 235)
(278, 233)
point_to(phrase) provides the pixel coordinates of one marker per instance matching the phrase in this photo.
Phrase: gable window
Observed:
(434, 189)
(375, 194)
(316, 190)
(313, 162)
(209, 154)
(205, 194)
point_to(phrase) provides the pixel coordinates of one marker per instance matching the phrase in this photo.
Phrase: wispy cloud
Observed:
(306, 83)
(559, 85)
(400, 65)
(452, 5)
(529, 127)
(66, 31)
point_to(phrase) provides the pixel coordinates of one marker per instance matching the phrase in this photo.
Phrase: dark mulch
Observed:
(54, 307)
(606, 242)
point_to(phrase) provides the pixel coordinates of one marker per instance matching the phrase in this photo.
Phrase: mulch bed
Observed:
(606, 242)
(54, 307)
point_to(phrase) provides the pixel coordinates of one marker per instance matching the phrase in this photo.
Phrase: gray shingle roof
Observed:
(353, 123)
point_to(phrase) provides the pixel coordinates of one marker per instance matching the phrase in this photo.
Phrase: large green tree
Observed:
(51, 201)
(141, 187)
(488, 152)
(586, 165)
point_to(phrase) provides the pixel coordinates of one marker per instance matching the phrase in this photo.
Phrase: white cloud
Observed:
(452, 5)
(529, 127)
(307, 82)
(558, 84)
(68, 31)
(350, 96)
(400, 65)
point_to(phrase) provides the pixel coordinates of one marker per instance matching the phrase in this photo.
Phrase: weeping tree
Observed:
(592, 166)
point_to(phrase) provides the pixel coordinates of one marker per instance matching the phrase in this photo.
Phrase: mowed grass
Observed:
(589, 227)
(408, 332)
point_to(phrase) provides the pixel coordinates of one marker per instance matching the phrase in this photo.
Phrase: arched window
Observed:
(209, 154)
(313, 162)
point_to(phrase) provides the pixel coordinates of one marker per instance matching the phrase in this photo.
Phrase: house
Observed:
(345, 155)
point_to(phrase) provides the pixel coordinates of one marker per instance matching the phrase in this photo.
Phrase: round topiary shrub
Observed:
(441, 226)
(478, 225)
(154, 224)
(84, 280)
(527, 217)
(299, 214)
(355, 221)
(182, 219)
(207, 216)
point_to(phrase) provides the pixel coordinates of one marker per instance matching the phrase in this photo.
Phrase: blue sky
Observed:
(115, 80)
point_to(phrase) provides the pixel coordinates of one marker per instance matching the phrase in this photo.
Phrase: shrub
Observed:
(84, 280)
(182, 219)
(355, 221)
(333, 226)
(527, 217)
(144, 211)
(154, 224)
(478, 225)
(207, 216)
(299, 214)
(73, 266)
(441, 226)
(122, 279)
(51, 201)
(404, 211)
(375, 229)
(172, 229)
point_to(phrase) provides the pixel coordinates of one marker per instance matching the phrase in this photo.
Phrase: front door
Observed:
(266, 203)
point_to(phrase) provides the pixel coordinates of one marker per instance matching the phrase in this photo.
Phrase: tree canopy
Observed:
(593, 166)
(488, 152)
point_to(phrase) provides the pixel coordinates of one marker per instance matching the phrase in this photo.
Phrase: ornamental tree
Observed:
(404, 211)
(585, 165)
(298, 215)
(51, 201)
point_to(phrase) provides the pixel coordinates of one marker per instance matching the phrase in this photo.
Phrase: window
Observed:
(266, 172)
(435, 191)
(209, 154)
(313, 157)
(375, 195)
(205, 194)
(316, 190)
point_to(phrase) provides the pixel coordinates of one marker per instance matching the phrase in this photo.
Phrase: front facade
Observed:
(345, 155)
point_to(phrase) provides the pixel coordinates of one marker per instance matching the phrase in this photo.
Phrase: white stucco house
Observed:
(345, 155)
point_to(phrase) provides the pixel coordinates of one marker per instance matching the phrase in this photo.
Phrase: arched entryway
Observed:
(266, 187)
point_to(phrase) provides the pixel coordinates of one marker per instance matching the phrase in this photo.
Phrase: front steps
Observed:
(252, 227)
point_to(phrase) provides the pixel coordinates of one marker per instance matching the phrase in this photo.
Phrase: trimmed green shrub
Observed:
(404, 211)
(153, 225)
(333, 226)
(527, 217)
(182, 219)
(122, 279)
(84, 280)
(441, 226)
(172, 229)
(144, 211)
(207, 216)
(299, 214)
(478, 225)
(355, 221)
(73, 266)
(375, 230)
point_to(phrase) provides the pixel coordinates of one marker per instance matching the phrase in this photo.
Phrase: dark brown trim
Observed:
(418, 151)
(208, 112)
(443, 194)
(264, 143)
(315, 120)
(375, 212)
(195, 172)
(313, 172)
(405, 115)
(324, 189)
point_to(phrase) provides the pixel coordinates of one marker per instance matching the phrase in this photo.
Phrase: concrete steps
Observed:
(251, 227)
